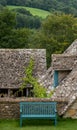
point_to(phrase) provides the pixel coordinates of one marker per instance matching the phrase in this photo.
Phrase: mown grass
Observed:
(63, 124)
(34, 11)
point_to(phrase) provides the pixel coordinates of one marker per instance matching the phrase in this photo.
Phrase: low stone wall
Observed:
(72, 111)
(9, 110)
(9, 107)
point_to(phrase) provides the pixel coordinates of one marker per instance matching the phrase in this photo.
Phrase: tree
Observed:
(27, 21)
(57, 33)
(7, 23)
(22, 11)
(66, 6)
(9, 36)
(3, 2)
(19, 38)
(60, 27)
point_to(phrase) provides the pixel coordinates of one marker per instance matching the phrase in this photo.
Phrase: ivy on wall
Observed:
(38, 90)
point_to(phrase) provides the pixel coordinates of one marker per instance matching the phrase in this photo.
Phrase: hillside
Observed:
(67, 6)
(34, 11)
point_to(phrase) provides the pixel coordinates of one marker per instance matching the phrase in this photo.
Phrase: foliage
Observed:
(9, 36)
(66, 6)
(21, 10)
(7, 23)
(38, 90)
(57, 33)
(3, 2)
(19, 38)
(24, 18)
(27, 21)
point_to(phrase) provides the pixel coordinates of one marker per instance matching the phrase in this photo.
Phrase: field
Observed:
(34, 11)
(63, 124)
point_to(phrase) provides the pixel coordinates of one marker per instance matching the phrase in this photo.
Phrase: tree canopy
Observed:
(10, 37)
(67, 6)
(56, 33)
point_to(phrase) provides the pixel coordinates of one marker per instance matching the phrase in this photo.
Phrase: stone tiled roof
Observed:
(72, 49)
(47, 79)
(67, 89)
(14, 61)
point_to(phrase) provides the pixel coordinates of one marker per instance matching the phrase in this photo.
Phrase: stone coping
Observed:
(23, 99)
(18, 49)
(65, 55)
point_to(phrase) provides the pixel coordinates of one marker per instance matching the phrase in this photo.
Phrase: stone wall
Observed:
(9, 107)
(72, 111)
(13, 61)
(9, 110)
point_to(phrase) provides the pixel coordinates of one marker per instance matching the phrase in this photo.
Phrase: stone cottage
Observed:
(12, 64)
(61, 77)
(65, 80)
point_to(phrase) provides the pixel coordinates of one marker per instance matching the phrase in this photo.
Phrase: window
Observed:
(27, 92)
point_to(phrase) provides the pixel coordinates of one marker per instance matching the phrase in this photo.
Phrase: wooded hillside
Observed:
(67, 6)
(20, 29)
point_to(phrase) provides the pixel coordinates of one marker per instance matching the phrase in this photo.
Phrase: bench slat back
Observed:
(38, 108)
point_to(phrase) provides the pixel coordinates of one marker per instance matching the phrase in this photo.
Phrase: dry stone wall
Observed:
(9, 107)
(9, 110)
(72, 111)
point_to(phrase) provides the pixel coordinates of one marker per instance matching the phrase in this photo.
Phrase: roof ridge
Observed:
(72, 49)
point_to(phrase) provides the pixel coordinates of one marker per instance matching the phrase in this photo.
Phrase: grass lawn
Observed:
(63, 124)
(34, 11)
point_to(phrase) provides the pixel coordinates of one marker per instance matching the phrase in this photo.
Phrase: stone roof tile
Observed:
(67, 89)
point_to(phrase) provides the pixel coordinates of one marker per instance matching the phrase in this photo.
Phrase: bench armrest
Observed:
(20, 110)
(55, 111)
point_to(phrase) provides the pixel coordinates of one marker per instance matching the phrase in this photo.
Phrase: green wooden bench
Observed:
(38, 110)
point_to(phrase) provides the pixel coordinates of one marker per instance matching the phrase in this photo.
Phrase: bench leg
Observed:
(55, 122)
(20, 122)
